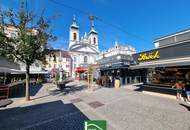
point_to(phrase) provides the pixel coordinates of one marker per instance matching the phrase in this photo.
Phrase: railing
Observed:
(12, 89)
(4, 92)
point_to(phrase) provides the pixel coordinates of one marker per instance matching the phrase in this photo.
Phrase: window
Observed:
(94, 40)
(74, 66)
(90, 40)
(37, 65)
(67, 59)
(54, 58)
(74, 36)
(13, 34)
(75, 59)
(85, 59)
(67, 66)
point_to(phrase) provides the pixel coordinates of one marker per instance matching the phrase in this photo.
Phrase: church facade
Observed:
(83, 50)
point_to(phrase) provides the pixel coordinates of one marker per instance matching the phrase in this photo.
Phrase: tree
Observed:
(90, 76)
(31, 41)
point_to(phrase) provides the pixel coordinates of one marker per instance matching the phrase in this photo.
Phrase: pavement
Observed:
(122, 108)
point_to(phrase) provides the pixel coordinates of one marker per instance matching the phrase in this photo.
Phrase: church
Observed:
(83, 50)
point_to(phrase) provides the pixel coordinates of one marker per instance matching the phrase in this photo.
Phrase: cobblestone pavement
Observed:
(123, 108)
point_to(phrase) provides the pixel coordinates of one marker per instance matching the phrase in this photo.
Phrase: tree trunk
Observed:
(27, 94)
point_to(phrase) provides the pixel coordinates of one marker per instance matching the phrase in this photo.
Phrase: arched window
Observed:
(85, 59)
(89, 40)
(94, 40)
(74, 36)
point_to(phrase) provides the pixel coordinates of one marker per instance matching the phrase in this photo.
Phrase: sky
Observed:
(129, 22)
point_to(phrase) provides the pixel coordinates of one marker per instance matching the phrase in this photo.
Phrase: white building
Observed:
(117, 50)
(83, 50)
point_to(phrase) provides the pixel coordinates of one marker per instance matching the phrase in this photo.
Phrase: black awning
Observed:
(163, 63)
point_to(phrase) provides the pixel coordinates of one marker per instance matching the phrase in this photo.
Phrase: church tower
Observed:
(74, 33)
(93, 35)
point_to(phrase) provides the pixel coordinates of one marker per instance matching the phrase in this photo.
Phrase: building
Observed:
(167, 62)
(59, 60)
(116, 61)
(36, 69)
(83, 50)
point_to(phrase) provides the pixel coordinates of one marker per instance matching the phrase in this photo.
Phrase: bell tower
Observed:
(93, 35)
(74, 33)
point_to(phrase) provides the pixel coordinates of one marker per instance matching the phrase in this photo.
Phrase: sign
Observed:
(149, 56)
(95, 125)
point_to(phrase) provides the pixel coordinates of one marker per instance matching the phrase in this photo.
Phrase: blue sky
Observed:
(148, 19)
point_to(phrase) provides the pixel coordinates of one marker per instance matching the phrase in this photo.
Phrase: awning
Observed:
(31, 72)
(4, 62)
(9, 70)
(80, 70)
(162, 63)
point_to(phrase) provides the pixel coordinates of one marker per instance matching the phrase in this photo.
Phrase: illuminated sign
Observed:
(149, 56)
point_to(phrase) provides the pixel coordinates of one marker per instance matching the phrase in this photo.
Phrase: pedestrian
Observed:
(179, 87)
(187, 89)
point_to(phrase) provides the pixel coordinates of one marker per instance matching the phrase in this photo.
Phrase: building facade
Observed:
(115, 62)
(167, 63)
(37, 67)
(83, 50)
(59, 60)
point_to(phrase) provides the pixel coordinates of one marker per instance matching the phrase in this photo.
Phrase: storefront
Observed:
(166, 64)
(82, 72)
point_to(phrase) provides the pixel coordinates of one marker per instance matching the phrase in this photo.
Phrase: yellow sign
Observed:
(149, 56)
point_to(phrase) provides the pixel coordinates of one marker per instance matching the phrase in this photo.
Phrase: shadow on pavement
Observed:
(46, 116)
(187, 107)
(68, 90)
(34, 89)
(139, 88)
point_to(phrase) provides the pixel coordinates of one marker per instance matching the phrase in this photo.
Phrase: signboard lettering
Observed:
(149, 56)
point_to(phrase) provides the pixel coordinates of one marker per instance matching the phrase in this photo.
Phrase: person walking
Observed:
(187, 89)
(179, 87)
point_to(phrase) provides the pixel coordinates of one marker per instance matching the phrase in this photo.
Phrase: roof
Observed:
(5, 63)
(171, 35)
(64, 53)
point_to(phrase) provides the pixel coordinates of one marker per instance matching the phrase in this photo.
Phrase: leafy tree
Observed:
(31, 41)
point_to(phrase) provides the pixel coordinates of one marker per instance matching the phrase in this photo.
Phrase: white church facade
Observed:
(83, 50)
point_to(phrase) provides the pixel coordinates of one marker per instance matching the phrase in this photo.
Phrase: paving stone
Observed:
(95, 104)
(76, 100)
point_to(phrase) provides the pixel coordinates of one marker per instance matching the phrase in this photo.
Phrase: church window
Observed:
(94, 40)
(90, 40)
(74, 36)
(85, 59)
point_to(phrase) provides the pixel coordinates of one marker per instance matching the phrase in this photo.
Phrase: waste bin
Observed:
(117, 83)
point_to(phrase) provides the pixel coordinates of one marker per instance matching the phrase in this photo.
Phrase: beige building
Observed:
(59, 60)
(35, 68)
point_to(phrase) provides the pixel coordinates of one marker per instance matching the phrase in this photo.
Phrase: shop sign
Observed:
(149, 56)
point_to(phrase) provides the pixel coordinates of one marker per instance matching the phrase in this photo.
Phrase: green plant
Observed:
(30, 42)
